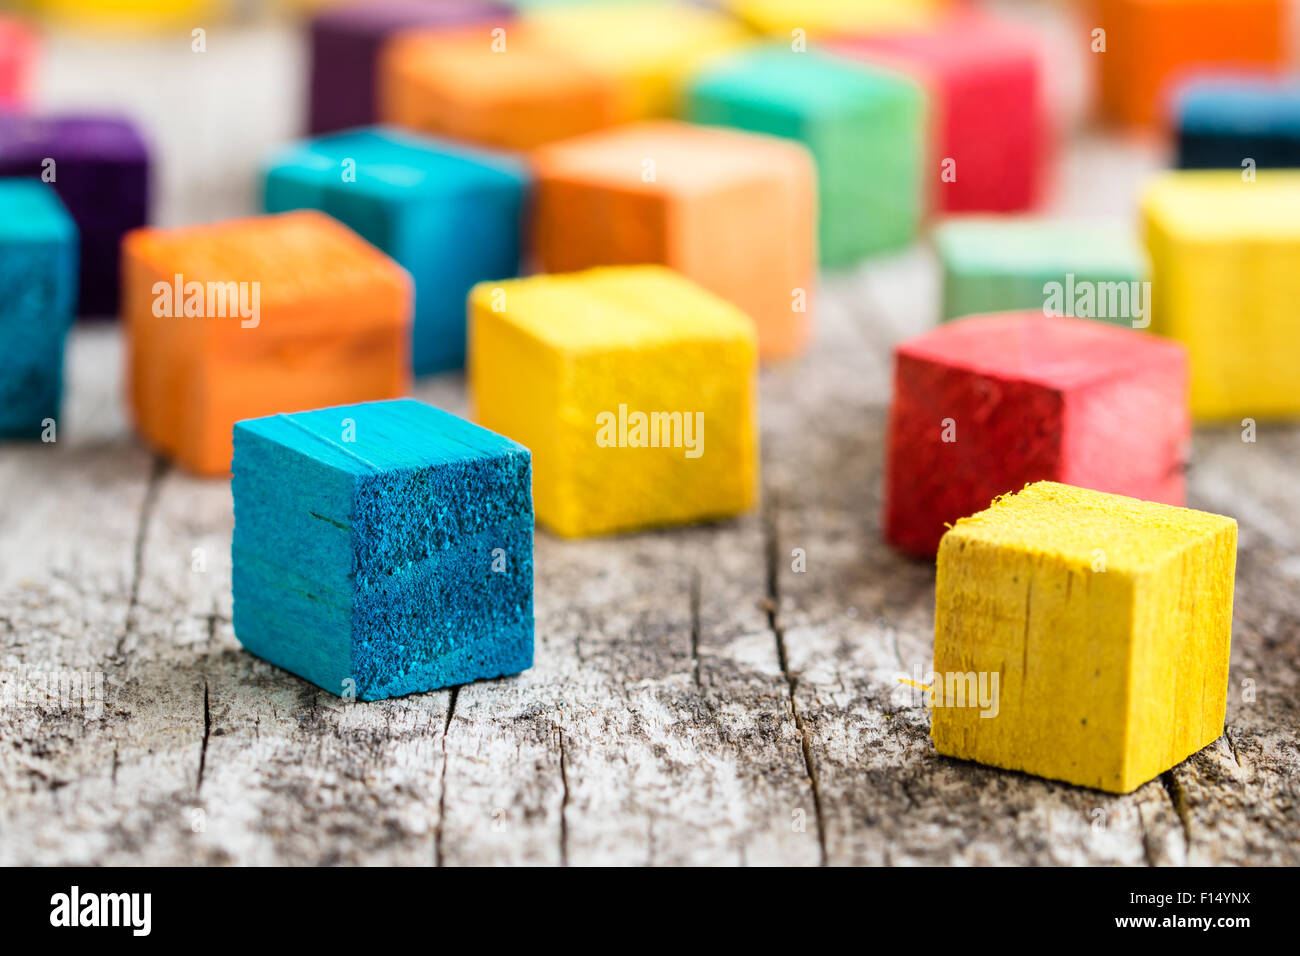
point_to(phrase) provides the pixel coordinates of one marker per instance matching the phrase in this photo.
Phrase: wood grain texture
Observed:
(695, 699)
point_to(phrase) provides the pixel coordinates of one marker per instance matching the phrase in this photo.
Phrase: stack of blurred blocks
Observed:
(1234, 122)
(38, 273)
(634, 389)
(100, 167)
(252, 317)
(449, 214)
(382, 549)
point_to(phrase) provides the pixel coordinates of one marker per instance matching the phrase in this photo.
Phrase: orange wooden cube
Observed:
(1150, 44)
(734, 211)
(464, 84)
(252, 317)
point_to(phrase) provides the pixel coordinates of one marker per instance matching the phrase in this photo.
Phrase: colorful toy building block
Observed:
(633, 387)
(450, 215)
(38, 276)
(1151, 45)
(100, 167)
(1225, 274)
(646, 51)
(512, 91)
(17, 53)
(132, 16)
(382, 549)
(822, 18)
(866, 129)
(1093, 629)
(1084, 269)
(1231, 122)
(251, 317)
(345, 45)
(990, 127)
(734, 211)
(984, 405)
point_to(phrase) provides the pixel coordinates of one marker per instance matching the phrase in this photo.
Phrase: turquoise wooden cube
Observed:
(1080, 269)
(38, 299)
(382, 549)
(865, 127)
(451, 215)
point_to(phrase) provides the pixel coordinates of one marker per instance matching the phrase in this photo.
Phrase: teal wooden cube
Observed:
(1079, 269)
(865, 126)
(38, 298)
(450, 214)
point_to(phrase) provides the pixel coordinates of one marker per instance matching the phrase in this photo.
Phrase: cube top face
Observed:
(33, 214)
(297, 259)
(1082, 637)
(689, 160)
(953, 44)
(1038, 246)
(379, 18)
(1214, 207)
(392, 165)
(615, 309)
(1240, 105)
(1068, 525)
(836, 17)
(385, 543)
(1055, 353)
(70, 137)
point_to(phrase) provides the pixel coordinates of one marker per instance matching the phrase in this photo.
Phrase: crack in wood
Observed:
(1178, 799)
(442, 781)
(207, 734)
(158, 470)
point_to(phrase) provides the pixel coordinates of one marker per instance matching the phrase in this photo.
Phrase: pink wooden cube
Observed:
(17, 51)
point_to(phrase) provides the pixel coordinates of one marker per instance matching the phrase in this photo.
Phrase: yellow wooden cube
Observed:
(633, 387)
(834, 17)
(1082, 636)
(647, 50)
(1225, 259)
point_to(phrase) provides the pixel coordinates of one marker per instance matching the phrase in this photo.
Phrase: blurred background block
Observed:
(1223, 122)
(822, 18)
(18, 48)
(132, 16)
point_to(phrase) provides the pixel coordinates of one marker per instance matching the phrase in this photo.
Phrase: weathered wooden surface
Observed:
(694, 700)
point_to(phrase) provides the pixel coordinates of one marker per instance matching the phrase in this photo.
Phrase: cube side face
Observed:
(957, 440)
(1183, 634)
(578, 224)
(1045, 644)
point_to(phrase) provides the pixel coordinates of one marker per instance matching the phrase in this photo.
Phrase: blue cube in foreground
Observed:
(382, 549)
(450, 214)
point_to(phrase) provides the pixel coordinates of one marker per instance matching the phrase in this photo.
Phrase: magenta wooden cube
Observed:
(345, 45)
(985, 405)
(99, 165)
(990, 128)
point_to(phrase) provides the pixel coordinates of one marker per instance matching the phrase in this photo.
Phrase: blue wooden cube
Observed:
(38, 299)
(1223, 121)
(451, 215)
(382, 549)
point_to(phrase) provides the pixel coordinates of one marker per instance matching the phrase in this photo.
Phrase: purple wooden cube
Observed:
(345, 46)
(99, 165)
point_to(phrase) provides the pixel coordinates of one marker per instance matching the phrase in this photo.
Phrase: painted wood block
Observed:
(100, 167)
(17, 62)
(462, 84)
(38, 279)
(133, 16)
(1222, 122)
(985, 405)
(825, 18)
(1225, 276)
(633, 387)
(866, 129)
(1151, 45)
(734, 211)
(382, 549)
(449, 214)
(645, 51)
(345, 45)
(1085, 268)
(252, 317)
(989, 125)
(1094, 627)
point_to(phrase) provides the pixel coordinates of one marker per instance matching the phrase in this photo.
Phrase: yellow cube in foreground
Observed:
(1225, 280)
(633, 387)
(1082, 636)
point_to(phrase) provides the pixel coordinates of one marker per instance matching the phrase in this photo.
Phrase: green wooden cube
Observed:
(1082, 269)
(865, 127)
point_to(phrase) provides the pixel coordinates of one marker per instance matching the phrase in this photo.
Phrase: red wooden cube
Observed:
(985, 405)
(990, 133)
(17, 53)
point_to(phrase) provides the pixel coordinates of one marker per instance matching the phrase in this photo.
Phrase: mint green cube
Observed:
(865, 127)
(1082, 269)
